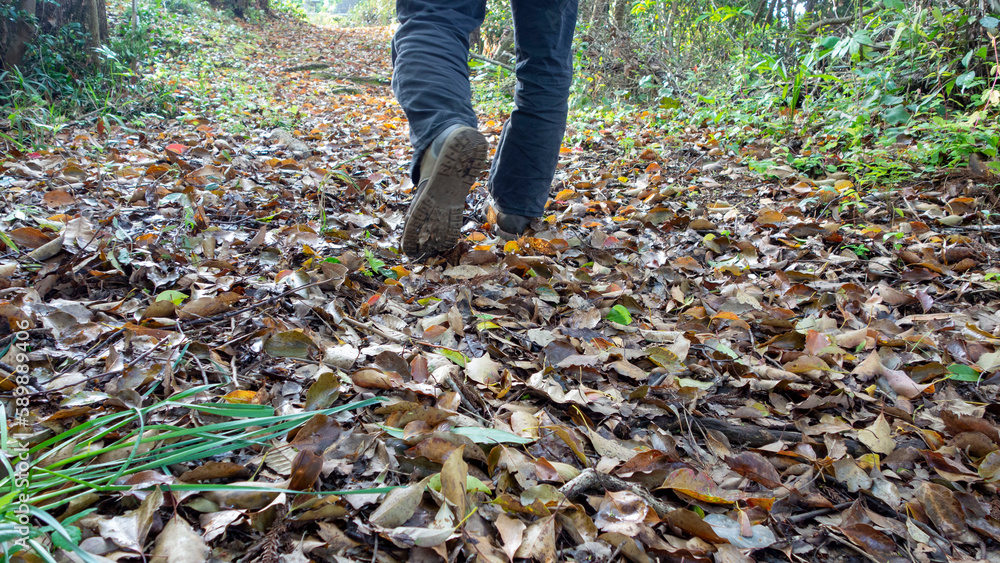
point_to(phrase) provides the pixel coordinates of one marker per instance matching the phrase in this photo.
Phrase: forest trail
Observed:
(686, 361)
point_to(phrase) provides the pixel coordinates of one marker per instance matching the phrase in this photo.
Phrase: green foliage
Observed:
(619, 314)
(884, 97)
(60, 80)
(373, 12)
(289, 8)
(377, 266)
(499, 20)
(30, 487)
(186, 39)
(961, 372)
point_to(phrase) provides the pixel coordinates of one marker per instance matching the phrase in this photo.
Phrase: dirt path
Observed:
(765, 367)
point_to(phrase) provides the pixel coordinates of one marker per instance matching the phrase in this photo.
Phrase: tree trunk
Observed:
(94, 18)
(760, 11)
(15, 35)
(476, 40)
(53, 15)
(599, 12)
(671, 43)
(621, 14)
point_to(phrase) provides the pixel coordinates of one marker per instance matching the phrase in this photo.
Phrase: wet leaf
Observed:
(729, 529)
(755, 467)
(871, 540)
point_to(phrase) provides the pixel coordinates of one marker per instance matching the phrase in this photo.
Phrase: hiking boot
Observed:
(510, 226)
(448, 169)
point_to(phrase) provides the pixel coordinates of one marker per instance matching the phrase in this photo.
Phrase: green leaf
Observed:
(687, 382)
(720, 347)
(963, 373)
(989, 22)
(233, 410)
(666, 102)
(456, 357)
(490, 435)
(829, 42)
(170, 295)
(895, 38)
(180, 197)
(894, 4)
(7, 240)
(619, 314)
(75, 535)
(897, 115)
(472, 484)
(394, 432)
(967, 58)
(477, 434)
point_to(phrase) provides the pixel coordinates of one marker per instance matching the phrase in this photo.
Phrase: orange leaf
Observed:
(565, 195)
(240, 396)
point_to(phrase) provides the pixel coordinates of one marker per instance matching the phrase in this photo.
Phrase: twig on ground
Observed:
(30, 332)
(128, 365)
(248, 308)
(756, 436)
(371, 329)
(491, 61)
(806, 516)
(591, 479)
(111, 339)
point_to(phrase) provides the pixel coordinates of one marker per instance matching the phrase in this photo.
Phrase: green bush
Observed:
(60, 80)
(289, 8)
(374, 12)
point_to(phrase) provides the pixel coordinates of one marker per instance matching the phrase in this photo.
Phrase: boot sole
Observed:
(504, 235)
(434, 221)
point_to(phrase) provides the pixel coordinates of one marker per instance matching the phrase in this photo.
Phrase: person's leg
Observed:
(430, 54)
(528, 151)
(430, 57)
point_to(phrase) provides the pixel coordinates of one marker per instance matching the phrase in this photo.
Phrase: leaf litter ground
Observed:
(682, 362)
